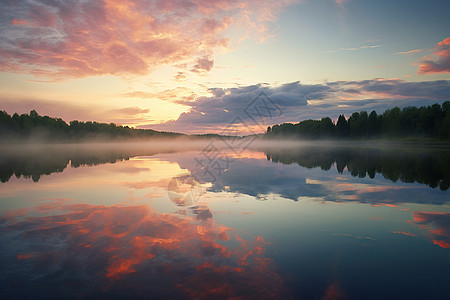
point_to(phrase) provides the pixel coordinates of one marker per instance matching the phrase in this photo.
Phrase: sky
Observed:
(200, 66)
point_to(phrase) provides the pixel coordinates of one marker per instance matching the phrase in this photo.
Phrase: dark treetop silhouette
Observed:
(423, 122)
(46, 128)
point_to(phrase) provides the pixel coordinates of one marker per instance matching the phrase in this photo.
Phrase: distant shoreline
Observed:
(258, 144)
(411, 127)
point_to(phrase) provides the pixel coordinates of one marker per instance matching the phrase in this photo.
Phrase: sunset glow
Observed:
(224, 149)
(192, 66)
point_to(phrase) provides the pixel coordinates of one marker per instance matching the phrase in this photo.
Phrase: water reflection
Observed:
(82, 250)
(129, 229)
(427, 166)
(437, 224)
(35, 161)
(256, 176)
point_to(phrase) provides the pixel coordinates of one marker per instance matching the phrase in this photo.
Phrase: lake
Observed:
(216, 221)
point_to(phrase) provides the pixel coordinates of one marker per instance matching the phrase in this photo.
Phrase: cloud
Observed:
(18, 22)
(226, 104)
(180, 76)
(354, 48)
(404, 233)
(334, 291)
(203, 65)
(298, 102)
(212, 113)
(295, 174)
(438, 62)
(68, 111)
(410, 51)
(437, 224)
(64, 110)
(121, 247)
(176, 95)
(63, 39)
(129, 111)
(436, 90)
(362, 47)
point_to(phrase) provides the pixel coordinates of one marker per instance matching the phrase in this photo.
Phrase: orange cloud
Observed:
(437, 224)
(18, 22)
(25, 256)
(178, 256)
(84, 38)
(404, 233)
(439, 62)
(384, 204)
(379, 189)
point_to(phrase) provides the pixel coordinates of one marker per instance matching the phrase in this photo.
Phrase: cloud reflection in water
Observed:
(96, 250)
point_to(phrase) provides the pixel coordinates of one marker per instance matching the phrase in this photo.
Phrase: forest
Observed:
(34, 126)
(426, 122)
(410, 122)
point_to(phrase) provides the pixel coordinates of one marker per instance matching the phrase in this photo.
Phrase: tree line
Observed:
(425, 122)
(35, 126)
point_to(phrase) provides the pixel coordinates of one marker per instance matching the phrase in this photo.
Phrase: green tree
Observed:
(342, 127)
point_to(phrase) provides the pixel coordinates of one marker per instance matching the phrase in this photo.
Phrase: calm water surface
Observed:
(293, 223)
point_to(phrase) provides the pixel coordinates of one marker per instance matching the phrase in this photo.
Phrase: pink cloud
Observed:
(437, 224)
(132, 242)
(18, 22)
(204, 64)
(84, 38)
(439, 62)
